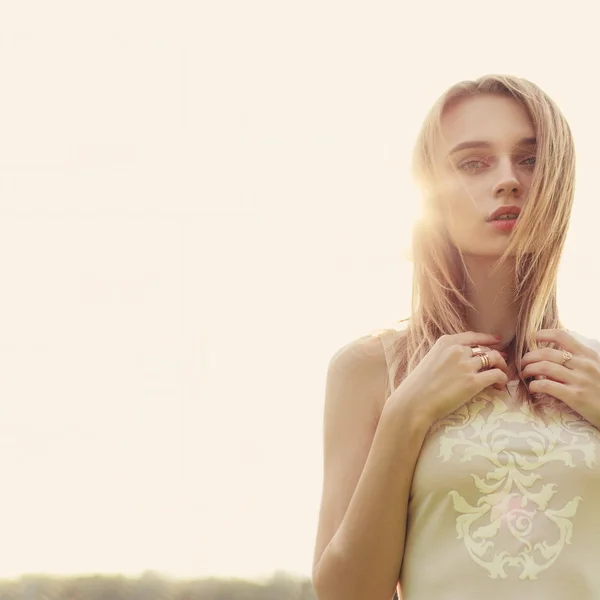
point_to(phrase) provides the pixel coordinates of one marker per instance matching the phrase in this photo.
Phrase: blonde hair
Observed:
(438, 296)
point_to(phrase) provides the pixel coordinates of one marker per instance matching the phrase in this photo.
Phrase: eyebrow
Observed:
(527, 141)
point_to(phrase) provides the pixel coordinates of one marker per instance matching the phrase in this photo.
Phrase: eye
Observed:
(527, 163)
(470, 164)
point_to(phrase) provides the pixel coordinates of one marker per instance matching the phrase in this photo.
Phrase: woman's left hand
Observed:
(576, 381)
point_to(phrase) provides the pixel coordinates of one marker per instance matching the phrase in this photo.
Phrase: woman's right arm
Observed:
(370, 454)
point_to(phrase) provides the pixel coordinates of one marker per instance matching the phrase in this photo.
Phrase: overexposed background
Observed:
(200, 203)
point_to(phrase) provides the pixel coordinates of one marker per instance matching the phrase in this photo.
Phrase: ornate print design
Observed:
(512, 493)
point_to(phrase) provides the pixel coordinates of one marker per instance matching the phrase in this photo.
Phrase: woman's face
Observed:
(486, 160)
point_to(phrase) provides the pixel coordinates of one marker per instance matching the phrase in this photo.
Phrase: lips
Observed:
(505, 210)
(503, 218)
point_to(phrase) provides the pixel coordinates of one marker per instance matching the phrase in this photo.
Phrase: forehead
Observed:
(499, 120)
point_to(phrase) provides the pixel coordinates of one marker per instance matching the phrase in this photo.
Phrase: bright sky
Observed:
(200, 204)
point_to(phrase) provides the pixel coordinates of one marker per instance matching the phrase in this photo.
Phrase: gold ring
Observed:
(566, 356)
(485, 361)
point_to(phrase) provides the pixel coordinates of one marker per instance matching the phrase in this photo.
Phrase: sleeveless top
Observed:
(503, 503)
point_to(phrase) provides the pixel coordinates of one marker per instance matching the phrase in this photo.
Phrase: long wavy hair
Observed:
(439, 305)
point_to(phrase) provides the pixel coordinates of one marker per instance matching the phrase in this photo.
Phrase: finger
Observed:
(471, 338)
(549, 354)
(564, 339)
(496, 359)
(549, 369)
(495, 377)
(553, 388)
(496, 362)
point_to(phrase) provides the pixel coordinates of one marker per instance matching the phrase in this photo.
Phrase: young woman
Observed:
(462, 449)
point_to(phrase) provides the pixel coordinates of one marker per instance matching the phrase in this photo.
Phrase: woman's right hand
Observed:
(449, 375)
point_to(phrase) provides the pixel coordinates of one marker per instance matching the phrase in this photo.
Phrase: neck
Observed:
(492, 297)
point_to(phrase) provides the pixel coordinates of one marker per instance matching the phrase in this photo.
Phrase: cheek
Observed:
(465, 202)
(526, 183)
(465, 213)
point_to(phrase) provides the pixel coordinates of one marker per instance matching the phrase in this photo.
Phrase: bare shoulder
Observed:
(368, 351)
(361, 363)
(365, 349)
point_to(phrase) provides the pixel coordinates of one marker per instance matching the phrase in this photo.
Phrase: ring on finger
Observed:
(566, 356)
(485, 361)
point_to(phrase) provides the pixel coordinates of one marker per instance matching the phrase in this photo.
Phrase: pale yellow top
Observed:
(504, 504)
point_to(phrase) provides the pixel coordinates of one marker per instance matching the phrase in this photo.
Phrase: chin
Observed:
(489, 247)
(488, 253)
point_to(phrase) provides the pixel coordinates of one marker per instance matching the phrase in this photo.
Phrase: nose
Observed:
(507, 183)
